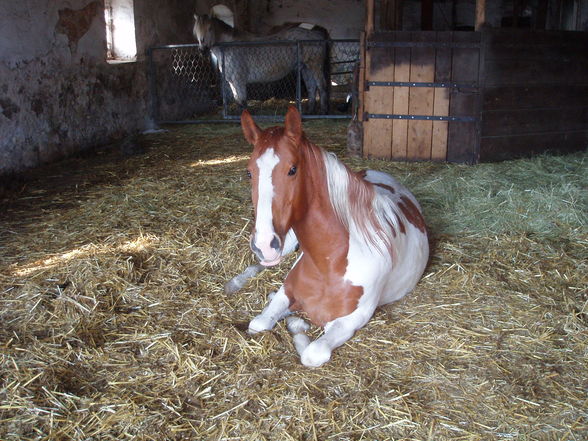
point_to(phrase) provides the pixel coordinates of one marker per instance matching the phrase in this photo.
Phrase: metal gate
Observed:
(421, 95)
(188, 85)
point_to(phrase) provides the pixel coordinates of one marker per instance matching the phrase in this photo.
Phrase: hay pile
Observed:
(114, 324)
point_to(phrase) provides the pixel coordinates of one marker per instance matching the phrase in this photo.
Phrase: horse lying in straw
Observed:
(362, 236)
(241, 65)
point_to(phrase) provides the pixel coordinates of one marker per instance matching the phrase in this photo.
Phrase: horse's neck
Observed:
(318, 223)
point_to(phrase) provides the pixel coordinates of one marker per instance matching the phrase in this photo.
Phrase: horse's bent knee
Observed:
(260, 324)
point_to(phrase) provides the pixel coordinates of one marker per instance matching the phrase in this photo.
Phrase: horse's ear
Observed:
(250, 129)
(293, 123)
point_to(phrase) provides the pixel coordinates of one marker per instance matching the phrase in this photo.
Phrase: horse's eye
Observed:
(248, 174)
(292, 171)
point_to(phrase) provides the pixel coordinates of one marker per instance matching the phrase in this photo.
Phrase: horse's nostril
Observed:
(276, 243)
(254, 248)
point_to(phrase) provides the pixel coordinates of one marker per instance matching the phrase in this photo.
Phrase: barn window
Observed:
(121, 45)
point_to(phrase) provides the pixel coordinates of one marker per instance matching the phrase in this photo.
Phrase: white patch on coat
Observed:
(266, 163)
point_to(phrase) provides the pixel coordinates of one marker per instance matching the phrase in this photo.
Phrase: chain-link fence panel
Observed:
(265, 77)
(183, 83)
(344, 71)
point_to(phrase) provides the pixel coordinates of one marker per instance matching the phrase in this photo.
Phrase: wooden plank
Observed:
(379, 100)
(514, 37)
(400, 106)
(533, 57)
(534, 96)
(463, 136)
(519, 121)
(426, 15)
(441, 101)
(391, 14)
(509, 147)
(422, 69)
(535, 71)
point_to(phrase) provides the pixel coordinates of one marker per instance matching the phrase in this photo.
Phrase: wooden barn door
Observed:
(420, 98)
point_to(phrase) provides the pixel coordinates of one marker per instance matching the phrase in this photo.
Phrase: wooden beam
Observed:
(480, 14)
(369, 17)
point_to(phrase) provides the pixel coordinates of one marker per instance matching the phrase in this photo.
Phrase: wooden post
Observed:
(369, 17)
(361, 82)
(480, 14)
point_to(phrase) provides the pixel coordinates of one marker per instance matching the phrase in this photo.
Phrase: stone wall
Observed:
(58, 95)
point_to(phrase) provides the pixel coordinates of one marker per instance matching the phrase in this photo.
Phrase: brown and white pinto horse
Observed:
(362, 236)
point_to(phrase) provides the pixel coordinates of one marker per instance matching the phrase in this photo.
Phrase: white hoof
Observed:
(316, 354)
(259, 324)
(301, 342)
(296, 325)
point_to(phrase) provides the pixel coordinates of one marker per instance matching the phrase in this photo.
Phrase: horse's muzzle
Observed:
(267, 248)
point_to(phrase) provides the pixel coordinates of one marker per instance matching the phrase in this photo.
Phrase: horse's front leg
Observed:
(239, 281)
(276, 309)
(336, 333)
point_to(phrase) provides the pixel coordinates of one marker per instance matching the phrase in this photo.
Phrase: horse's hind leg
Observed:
(298, 328)
(336, 333)
(240, 93)
(311, 88)
(322, 86)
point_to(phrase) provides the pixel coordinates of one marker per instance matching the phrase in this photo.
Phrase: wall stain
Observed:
(75, 23)
(8, 107)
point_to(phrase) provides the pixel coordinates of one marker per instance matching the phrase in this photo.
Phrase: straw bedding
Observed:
(114, 324)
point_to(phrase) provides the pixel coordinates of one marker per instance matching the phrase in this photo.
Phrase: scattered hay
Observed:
(115, 325)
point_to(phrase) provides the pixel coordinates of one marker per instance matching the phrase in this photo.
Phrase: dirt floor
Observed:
(114, 324)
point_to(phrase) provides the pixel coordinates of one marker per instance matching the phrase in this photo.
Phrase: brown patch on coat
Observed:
(386, 187)
(323, 297)
(412, 213)
(401, 226)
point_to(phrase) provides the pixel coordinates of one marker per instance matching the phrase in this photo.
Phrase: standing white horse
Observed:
(241, 65)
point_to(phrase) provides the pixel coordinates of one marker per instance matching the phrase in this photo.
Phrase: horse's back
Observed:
(389, 186)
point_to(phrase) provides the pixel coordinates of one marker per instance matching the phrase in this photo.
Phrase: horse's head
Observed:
(203, 31)
(277, 171)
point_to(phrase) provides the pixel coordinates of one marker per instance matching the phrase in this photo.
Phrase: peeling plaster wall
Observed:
(57, 93)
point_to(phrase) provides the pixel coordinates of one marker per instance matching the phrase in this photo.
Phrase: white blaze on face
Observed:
(264, 227)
